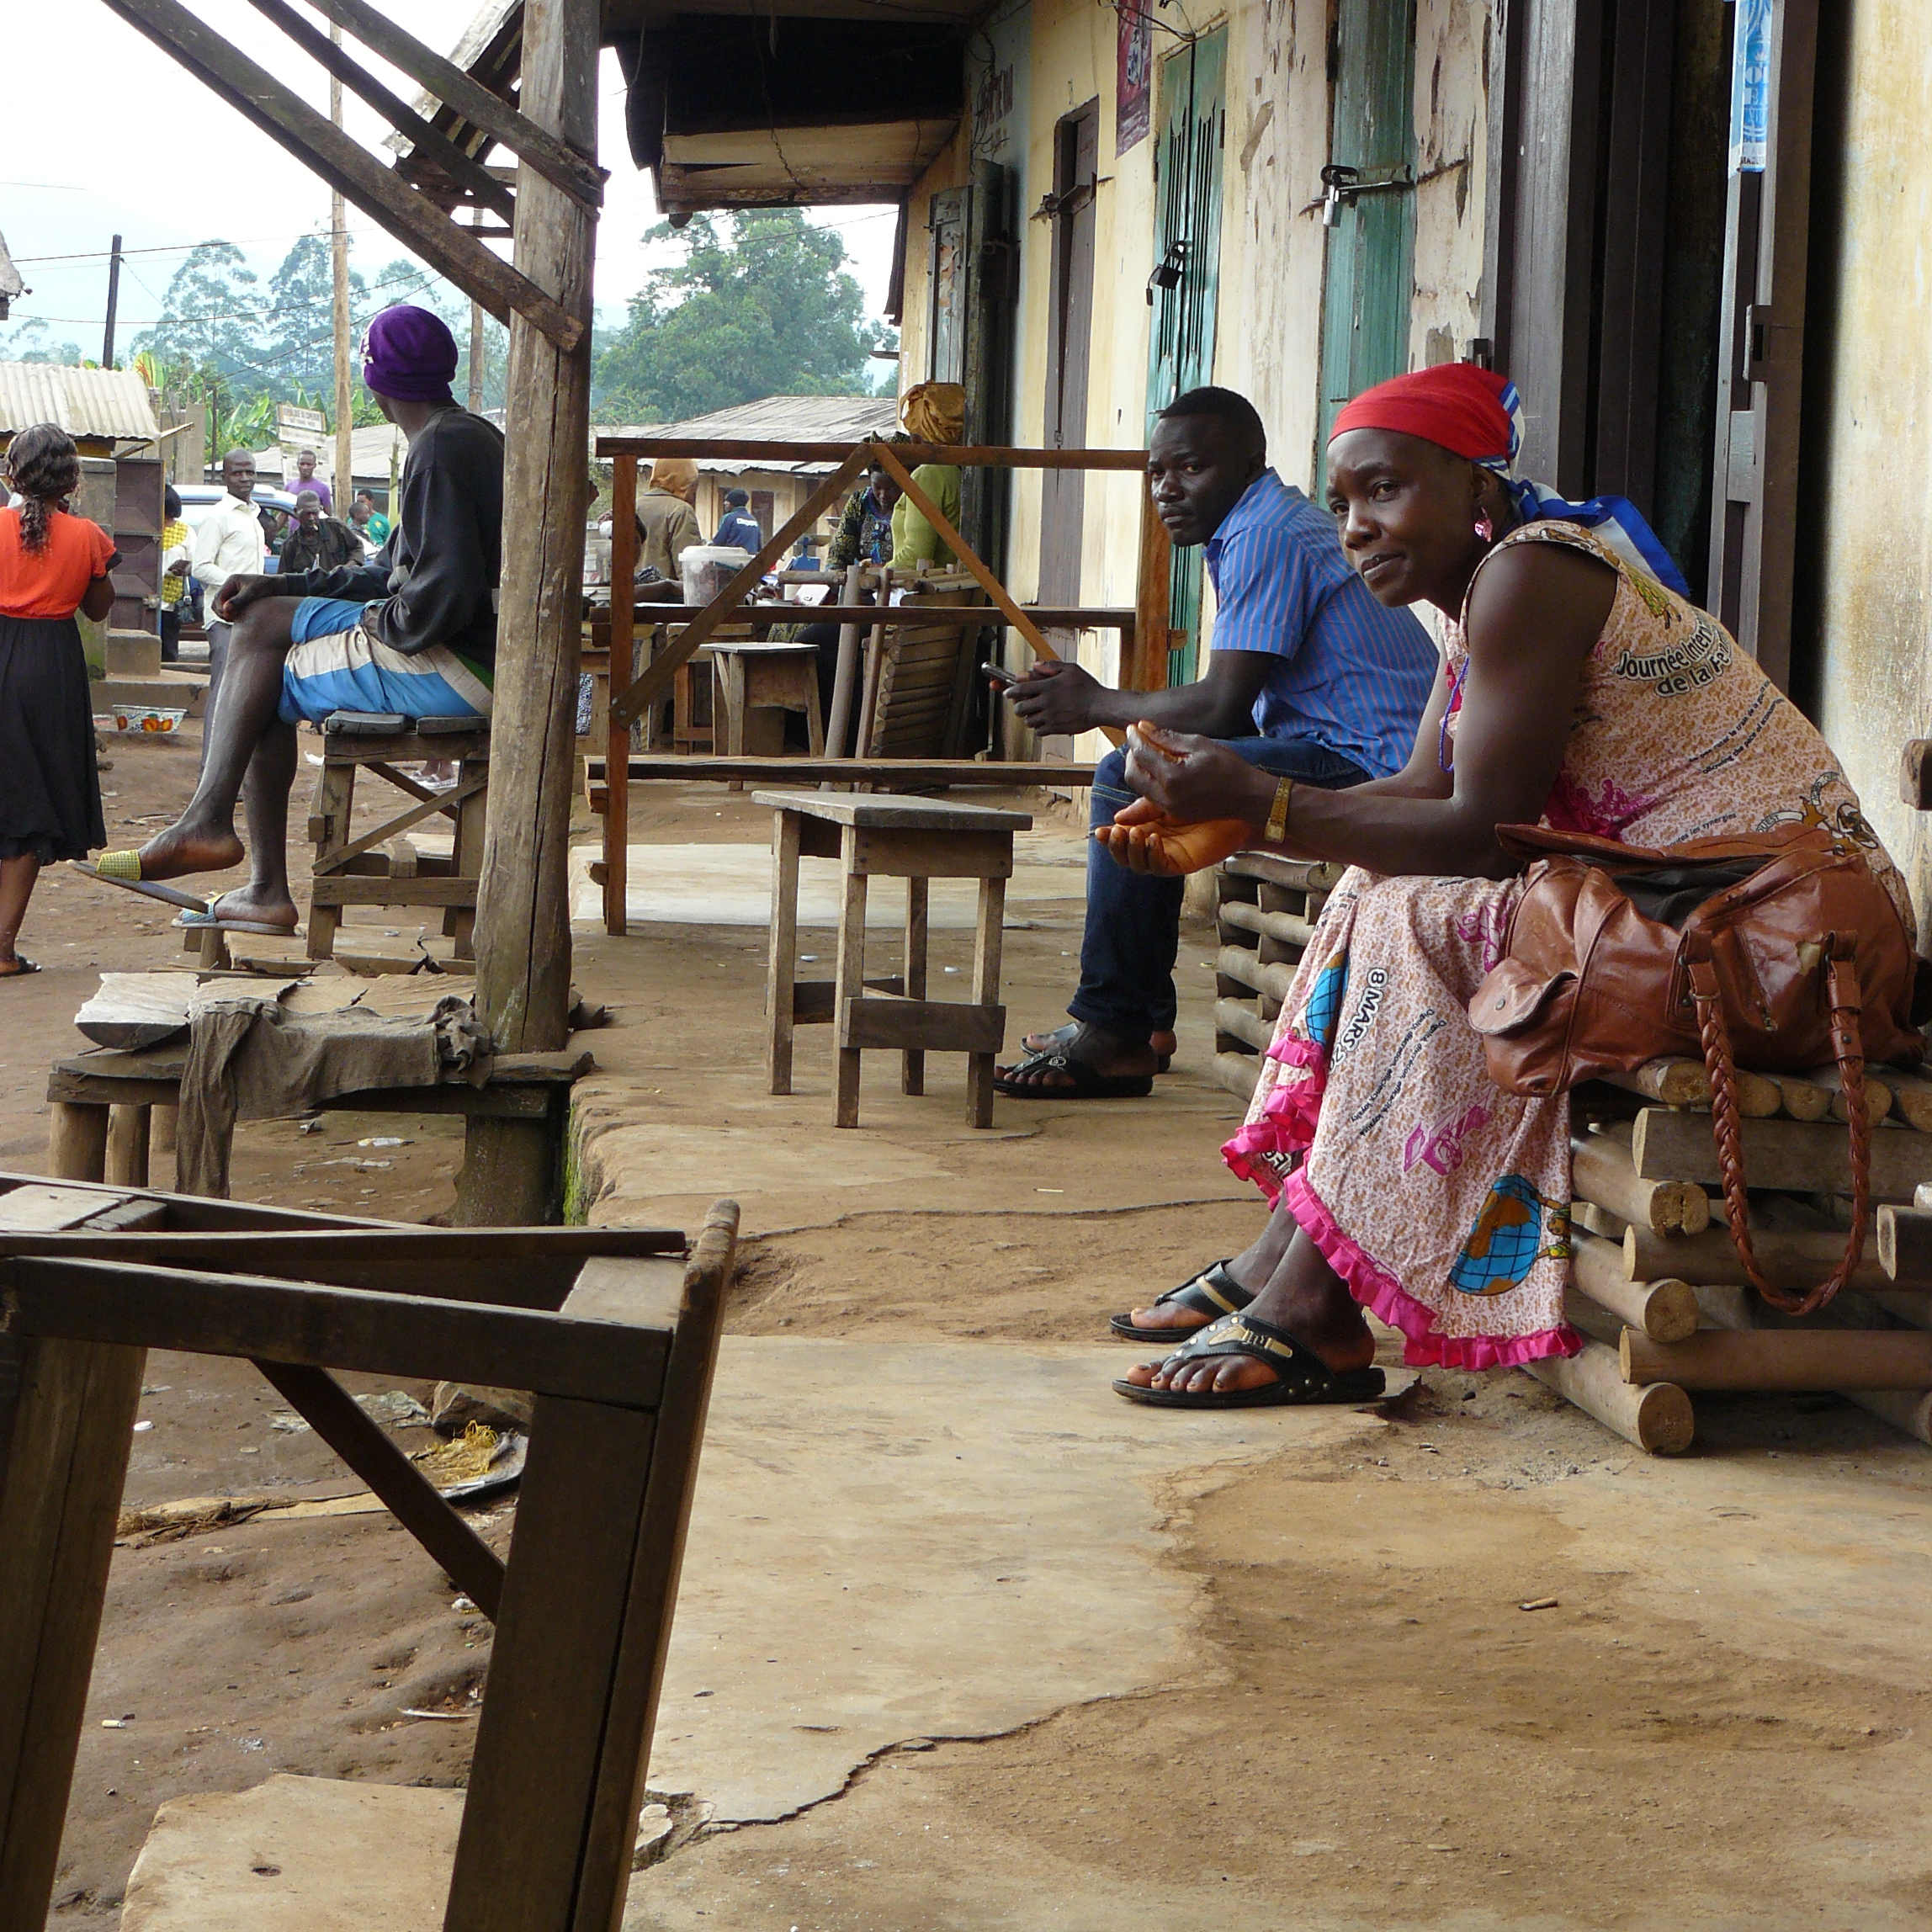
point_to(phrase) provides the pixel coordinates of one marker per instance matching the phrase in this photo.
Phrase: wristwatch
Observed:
(1277, 830)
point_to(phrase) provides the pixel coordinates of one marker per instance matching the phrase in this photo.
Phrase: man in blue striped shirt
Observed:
(1307, 676)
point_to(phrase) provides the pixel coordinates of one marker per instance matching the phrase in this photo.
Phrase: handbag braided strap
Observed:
(1846, 1000)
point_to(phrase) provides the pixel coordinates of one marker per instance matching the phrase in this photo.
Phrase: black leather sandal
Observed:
(1303, 1377)
(1214, 1292)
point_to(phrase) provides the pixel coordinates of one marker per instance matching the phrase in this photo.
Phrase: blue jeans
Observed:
(1133, 922)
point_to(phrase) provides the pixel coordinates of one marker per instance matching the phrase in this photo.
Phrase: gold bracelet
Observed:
(1277, 826)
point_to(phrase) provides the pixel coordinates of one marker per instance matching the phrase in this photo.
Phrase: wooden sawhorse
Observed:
(917, 840)
(615, 1329)
(381, 867)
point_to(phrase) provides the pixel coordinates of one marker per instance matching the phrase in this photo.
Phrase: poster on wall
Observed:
(1134, 94)
(1750, 87)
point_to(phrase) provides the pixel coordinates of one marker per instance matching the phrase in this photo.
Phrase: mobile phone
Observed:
(1000, 675)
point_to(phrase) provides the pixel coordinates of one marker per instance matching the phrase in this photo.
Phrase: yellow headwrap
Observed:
(934, 411)
(677, 474)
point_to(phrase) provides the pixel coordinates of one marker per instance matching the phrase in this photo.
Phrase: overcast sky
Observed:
(105, 134)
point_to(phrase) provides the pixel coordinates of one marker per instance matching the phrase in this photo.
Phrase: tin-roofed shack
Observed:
(109, 413)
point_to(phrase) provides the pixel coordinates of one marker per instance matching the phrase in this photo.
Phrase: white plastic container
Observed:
(707, 568)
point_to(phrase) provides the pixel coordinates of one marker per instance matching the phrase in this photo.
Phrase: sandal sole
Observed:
(1358, 1386)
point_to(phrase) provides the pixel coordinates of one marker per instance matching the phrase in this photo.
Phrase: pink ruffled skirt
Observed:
(1443, 1202)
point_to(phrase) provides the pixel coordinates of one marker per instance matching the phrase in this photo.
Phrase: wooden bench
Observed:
(616, 1332)
(888, 838)
(382, 867)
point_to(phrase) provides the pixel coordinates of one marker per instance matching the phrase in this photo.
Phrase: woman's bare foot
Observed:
(1101, 1053)
(181, 851)
(1164, 1045)
(1305, 1298)
(257, 908)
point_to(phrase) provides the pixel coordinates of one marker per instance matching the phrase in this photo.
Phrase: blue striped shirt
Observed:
(1353, 675)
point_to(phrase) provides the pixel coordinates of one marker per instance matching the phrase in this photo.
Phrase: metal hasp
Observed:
(1343, 184)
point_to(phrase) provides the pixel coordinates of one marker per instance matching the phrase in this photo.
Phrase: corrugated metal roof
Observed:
(781, 419)
(95, 402)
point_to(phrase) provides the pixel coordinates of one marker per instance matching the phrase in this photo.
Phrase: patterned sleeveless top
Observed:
(1678, 734)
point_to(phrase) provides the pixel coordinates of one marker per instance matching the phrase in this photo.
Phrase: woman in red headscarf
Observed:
(1578, 687)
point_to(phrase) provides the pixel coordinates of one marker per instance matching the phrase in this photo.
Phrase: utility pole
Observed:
(478, 354)
(113, 303)
(343, 491)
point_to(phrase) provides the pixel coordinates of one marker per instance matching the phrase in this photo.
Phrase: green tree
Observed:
(32, 340)
(761, 305)
(301, 349)
(211, 319)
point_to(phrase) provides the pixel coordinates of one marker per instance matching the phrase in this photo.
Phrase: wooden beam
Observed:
(961, 456)
(681, 649)
(430, 142)
(1153, 603)
(365, 1446)
(888, 456)
(523, 913)
(909, 616)
(276, 1320)
(623, 670)
(379, 192)
(886, 773)
(556, 160)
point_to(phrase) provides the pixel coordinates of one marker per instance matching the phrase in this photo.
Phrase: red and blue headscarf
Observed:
(1477, 414)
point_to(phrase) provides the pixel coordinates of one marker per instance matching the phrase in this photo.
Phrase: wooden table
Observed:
(918, 840)
(616, 1332)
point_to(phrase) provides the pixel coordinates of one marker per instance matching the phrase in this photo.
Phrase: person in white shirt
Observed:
(228, 544)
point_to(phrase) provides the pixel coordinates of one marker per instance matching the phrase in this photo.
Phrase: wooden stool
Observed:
(916, 840)
(360, 871)
(760, 675)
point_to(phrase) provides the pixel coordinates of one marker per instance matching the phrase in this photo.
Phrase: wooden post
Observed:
(623, 672)
(127, 1146)
(522, 922)
(1153, 616)
(1655, 1416)
(343, 493)
(846, 675)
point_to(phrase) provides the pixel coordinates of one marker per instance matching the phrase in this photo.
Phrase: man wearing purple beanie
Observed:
(411, 630)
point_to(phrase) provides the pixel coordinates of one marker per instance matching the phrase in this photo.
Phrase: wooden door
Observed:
(946, 358)
(1370, 269)
(1754, 517)
(1069, 342)
(1185, 283)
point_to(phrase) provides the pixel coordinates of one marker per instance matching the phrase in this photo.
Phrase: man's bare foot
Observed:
(180, 851)
(266, 909)
(1339, 1334)
(1165, 1046)
(1102, 1053)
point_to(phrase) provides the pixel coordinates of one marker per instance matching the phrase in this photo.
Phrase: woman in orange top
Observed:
(51, 565)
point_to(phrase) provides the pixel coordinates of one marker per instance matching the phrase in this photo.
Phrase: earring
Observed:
(1485, 530)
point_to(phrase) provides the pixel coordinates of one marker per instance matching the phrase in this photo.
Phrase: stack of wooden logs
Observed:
(1265, 909)
(1658, 1286)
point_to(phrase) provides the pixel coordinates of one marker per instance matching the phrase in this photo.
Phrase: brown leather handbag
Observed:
(1778, 951)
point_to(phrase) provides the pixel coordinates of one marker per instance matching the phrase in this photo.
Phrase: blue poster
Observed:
(1750, 85)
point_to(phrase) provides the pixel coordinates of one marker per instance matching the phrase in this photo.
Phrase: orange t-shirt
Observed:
(51, 582)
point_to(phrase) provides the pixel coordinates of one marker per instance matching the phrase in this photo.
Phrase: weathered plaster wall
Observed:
(1876, 672)
(1451, 115)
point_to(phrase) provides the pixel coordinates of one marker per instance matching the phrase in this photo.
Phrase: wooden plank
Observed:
(723, 609)
(1784, 1153)
(552, 158)
(1308, 874)
(961, 456)
(62, 1467)
(894, 815)
(333, 1327)
(1144, 666)
(936, 1026)
(42, 1207)
(638, 1681)
(135, 1009)
(1782, 1359)
(383, 889)
(1656, 1418)
(379, 192)
(913, 615)
(429, 143)
(368, 1449)
(926, 855)
(882, 773)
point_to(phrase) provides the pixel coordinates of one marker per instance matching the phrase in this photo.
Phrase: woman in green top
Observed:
(931, 412)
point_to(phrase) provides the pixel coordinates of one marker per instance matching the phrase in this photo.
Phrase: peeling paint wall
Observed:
(1062, 54)
(1876, 688)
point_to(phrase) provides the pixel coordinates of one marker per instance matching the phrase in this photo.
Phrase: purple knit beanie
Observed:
(409, 355)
